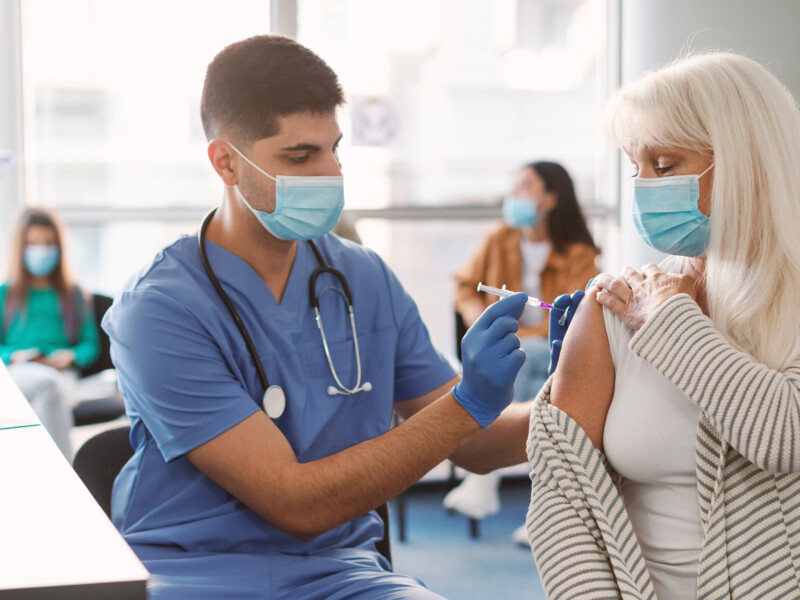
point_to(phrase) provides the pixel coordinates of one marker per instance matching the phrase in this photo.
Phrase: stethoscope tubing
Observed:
(314, 300)
(251, 347)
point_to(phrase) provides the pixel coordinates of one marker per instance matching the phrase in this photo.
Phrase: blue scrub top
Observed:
(186, 375)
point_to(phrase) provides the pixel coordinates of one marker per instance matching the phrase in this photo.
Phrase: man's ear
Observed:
(221, 156)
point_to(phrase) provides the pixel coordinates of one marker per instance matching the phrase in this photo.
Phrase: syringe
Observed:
(504, 293)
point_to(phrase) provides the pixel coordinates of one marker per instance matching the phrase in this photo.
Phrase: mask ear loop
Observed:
(250, 162)
(711, 166)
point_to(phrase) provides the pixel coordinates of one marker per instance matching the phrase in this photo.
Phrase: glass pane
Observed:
(112, 95)
(106, 255)
(446, 98)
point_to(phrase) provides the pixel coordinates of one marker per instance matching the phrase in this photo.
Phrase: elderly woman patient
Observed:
(666, 447)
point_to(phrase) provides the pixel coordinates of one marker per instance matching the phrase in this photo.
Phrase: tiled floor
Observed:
(439, 551)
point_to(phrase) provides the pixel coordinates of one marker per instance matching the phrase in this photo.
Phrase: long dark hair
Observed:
(20, 279)
(565, 223)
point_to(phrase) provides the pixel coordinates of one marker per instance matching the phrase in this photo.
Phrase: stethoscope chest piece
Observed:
(274, 401)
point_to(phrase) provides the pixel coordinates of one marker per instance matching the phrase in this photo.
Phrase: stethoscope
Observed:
(274, 401)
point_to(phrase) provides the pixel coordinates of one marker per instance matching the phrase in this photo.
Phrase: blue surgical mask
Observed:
(666, 215)
(305, 207)
(520, 212)
(41, 260)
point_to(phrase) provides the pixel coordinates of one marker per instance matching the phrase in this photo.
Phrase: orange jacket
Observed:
(499, 261)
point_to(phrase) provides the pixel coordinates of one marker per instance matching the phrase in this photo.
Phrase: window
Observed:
(446, 99)
(112, 127)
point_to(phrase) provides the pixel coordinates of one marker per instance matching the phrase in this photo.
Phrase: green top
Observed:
(41, 326)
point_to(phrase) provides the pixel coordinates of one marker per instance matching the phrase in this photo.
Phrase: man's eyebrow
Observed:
(308, 147)
(302, 146)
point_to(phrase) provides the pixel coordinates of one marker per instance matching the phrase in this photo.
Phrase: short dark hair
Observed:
(251, 83)
(565, 223)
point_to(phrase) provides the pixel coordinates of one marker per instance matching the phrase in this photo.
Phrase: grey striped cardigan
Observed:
(747, 462)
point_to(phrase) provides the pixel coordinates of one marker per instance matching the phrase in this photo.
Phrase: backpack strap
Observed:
(5, 318)
(79, 310)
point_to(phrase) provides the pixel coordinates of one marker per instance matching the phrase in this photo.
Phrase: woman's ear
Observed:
(548, 202)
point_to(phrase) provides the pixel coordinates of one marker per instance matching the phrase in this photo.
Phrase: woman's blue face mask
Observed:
(666, 215)
(40, 260)
(520, 212)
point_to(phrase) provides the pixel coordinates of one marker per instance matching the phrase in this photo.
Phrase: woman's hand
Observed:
(635, 299)
(61, 359)
(26, 355)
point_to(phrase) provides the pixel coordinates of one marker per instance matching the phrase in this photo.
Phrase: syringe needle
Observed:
(504, 293)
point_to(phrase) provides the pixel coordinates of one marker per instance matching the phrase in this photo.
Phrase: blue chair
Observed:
(109, 405)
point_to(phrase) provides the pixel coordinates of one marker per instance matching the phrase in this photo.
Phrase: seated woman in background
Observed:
(686, 376)
(544, 249)
(47, 324)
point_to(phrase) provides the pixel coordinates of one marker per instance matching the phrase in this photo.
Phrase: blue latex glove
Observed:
(491, 358)
(559, 322)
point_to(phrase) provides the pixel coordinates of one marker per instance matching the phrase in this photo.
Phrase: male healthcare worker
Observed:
(222, 499)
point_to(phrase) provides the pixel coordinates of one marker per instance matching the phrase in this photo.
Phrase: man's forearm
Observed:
(501, 445)
(338, 488)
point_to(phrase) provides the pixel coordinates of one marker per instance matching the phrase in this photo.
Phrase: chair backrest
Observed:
(99, 461)
(461, 329)
(384, 546)
(100, 304)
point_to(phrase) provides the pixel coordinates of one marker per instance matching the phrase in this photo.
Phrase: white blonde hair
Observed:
(733, 110)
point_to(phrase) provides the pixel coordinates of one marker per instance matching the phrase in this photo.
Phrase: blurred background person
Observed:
(48, 330)
(346, 228)
(543, 248)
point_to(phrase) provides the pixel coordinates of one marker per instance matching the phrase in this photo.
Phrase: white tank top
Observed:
(649, 440)
(534, 258)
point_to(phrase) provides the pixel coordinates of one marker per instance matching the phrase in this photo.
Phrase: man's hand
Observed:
(561, 314)
(491, 358)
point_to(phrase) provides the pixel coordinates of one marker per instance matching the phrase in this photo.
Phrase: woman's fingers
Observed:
(613, 286)
(652, 270)
(632, 277)
(612, 303)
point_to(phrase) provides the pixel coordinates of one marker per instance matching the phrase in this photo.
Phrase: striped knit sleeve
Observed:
(755, 408)
(580, 535)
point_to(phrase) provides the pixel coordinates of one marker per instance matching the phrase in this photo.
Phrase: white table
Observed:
(55, 541)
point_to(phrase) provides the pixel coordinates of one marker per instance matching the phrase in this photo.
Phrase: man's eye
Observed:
(299, 159)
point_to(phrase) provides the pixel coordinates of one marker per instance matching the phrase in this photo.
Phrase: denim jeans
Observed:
(48, 391)
(533, 373)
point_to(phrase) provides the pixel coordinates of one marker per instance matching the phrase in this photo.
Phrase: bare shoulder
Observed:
(583, 384)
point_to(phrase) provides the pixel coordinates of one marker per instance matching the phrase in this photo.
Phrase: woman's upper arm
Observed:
(583, 384)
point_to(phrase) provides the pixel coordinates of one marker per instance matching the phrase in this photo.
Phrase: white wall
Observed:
(654, 32)
(11, 183)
